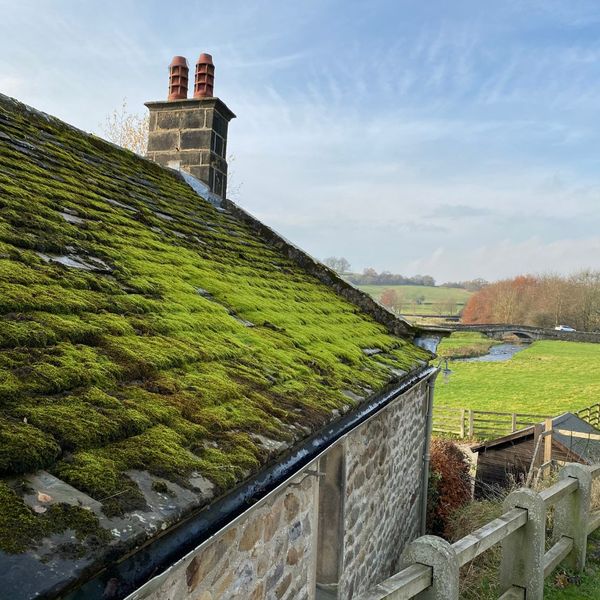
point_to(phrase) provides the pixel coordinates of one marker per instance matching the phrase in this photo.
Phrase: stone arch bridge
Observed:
(525, 332)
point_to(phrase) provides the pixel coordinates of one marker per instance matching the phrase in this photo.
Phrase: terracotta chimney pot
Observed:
(205, 77)
(178, 78)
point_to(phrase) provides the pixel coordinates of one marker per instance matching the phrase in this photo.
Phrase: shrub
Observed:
(449, 485)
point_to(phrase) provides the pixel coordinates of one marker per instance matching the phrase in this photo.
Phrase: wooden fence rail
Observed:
(467, 423)
(433, 564)
(591, 414)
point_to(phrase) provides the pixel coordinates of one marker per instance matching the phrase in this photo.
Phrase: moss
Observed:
(103, 479)
(161, 487)
(21, 529)
(24, 448)
(19, 526)
(78, 423)
(150, 364)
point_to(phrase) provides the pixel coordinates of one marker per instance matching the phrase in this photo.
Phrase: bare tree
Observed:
(126, 129)
(233, 186)
(545, 301)
(339, 265)
(587, 293)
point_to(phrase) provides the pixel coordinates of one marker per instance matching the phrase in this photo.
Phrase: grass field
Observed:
(549, 377)
(437, 300)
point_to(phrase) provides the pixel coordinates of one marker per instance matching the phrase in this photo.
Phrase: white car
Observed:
(564, 328)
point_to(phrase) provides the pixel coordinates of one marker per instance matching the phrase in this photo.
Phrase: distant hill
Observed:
(420, 299)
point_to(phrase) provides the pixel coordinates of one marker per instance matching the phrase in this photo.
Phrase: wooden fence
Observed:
(467, 423)
(433, 564)
(591, 414)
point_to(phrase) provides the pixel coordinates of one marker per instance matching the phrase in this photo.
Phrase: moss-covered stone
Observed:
(21, 528)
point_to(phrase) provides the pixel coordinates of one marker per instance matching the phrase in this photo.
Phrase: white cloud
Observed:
(507, 259)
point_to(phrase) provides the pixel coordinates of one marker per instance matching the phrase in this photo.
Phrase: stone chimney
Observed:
(191, 134)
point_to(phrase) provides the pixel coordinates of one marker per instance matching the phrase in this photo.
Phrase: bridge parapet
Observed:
(497, 330)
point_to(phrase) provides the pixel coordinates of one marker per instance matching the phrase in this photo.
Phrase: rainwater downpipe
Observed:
(426, 453)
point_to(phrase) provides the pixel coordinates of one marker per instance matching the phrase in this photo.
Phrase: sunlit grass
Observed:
(548, 377)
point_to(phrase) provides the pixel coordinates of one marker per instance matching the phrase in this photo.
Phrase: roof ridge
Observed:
(393, 323)
(8, 100)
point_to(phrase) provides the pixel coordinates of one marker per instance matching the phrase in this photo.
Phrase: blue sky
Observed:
(458, 139)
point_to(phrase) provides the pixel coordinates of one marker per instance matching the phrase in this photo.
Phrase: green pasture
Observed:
(437, 300)
(548, 377)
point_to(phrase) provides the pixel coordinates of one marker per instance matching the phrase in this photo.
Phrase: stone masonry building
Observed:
(334, 530)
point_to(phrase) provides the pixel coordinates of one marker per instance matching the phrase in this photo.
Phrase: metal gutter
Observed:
(426, 452)
(141, 572)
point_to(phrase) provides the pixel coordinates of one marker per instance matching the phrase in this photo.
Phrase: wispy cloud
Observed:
(458, 211)
(532, 255)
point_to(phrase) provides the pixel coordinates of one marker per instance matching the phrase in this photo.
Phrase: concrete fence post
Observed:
(438, 554)
(523, 551)
(571, 513)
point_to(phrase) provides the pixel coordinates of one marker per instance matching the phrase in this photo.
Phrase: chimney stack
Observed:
(191, 133)
(204, 81)
(178, 78)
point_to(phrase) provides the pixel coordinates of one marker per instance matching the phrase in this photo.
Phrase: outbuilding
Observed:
(506, 460)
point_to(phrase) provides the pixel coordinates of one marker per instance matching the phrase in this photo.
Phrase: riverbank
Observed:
(465, 345)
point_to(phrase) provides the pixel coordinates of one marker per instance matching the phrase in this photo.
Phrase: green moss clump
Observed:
(21, 528)
(24, 448)
(99, 473)
(161, 487)
(103, 479)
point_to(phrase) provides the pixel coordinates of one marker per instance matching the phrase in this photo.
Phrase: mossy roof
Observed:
(143, 330)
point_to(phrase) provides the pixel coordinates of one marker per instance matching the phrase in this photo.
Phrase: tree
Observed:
(128, 130)
(389, 298)
(479, 307)
(339, 265)
(545, 301)
(448, 306)
(392, 299)
(587, 295)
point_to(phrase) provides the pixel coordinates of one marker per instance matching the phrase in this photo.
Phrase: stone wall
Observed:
(383, 495)
(269, 555)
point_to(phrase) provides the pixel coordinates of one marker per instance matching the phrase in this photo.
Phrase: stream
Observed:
(498, 353)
